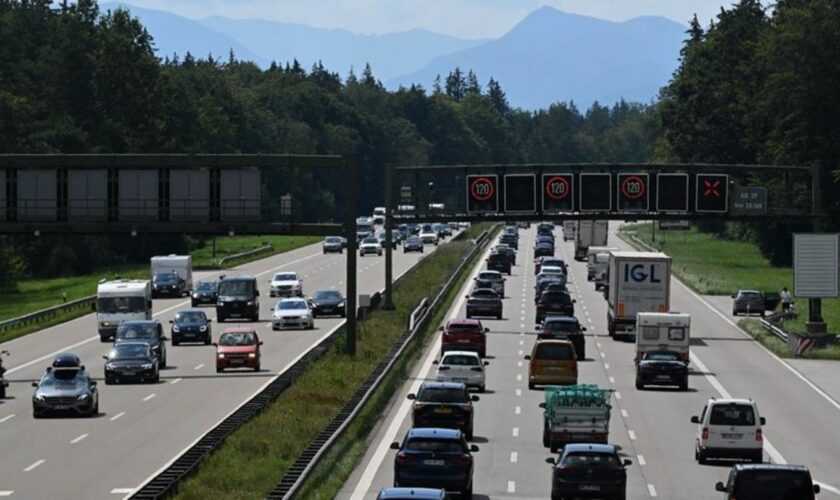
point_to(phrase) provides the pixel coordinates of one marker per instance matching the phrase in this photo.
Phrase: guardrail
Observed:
(266, 248)
(45, 314)
(417, 312)
(288, 486)
(769, 324)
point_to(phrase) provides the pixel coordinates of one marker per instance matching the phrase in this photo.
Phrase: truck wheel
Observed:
(701, 457)
(2, 391)
(531, 386)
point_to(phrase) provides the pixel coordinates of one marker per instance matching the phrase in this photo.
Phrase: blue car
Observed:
(435, 458)
(411, 494)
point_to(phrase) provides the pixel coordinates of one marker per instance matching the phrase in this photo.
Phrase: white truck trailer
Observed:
(638, 282)
(121, 300)
(591, 253)
(590, 233)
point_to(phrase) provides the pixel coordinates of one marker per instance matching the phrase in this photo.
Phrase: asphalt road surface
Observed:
(143, 427)
(652, 426)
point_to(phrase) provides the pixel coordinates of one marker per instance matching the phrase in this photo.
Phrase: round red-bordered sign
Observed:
(625, 187)
(482, 189)
(566, 190)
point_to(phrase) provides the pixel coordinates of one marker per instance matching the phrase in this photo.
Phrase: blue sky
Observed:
(463, 18)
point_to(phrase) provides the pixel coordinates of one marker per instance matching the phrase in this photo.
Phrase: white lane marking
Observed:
(199, 367)
(519, 363)
(519, 392)
(7, 417)
(511, 487)
(624, 413)
(602, 354)
(6, 493)
(589, 319)
(519, 377)
(517, 410)
(79, 438)
(522, 318)
(651, 490)
(521, 352)
(598, 344)
(118, 415)
(617, 395)
(122, 491)
(828, 487)
(34, 466)
(516, 432)
(612, 380)
(521, 342)
(631, 434)
(606, 366)
(175, 381)
(514, 457)
(149, 397)
(641, 459)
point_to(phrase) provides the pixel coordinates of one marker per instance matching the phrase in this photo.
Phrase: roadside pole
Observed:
(389, 241)
(350, 234)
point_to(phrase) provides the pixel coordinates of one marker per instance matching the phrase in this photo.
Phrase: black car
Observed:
(434, 458)
(543, 249)
(147, 331)
(589, 471)
(412, 244)
(238, 298)
(66, 389)
(553, 282)
(169, 284)
(333, 244)
(443, 404)
(545, 229)
(499, 262)
(484, 302)
(205, 292)
(661, 368)
(768, 482)
(381, 238)
(327, 303)
(546, 238)
(564, 328)
(191, 326)
(510, 240)
(508, 252)
(131, 361)
(555, 303)
(413, 228)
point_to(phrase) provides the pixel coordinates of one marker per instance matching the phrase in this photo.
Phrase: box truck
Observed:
(638, 282)
(591, 253)
(590, 233)
(569, 230)
(121, 300)
(163, 265)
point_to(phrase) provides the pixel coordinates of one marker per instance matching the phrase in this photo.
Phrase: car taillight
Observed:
(403, 458)
(467, 407)
(461, 460)
(418, 406)
(758, 435)
(705, 435)
(540, 306)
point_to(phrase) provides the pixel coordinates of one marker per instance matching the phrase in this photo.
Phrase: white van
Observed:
(121, 300)
(729, 428)
(569, 230)
(174, 264)
(602, 266)
(379, 215)
(591, 254)
(663, 332)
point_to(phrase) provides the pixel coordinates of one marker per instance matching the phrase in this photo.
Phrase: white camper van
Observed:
(121, 300)
(167, 265)
(663, 332)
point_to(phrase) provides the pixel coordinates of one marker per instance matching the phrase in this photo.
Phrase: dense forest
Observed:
(756, 86)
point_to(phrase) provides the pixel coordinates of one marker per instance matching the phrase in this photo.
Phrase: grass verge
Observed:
(713, 266)
(254, 458)
(779, 347)
(231, 245)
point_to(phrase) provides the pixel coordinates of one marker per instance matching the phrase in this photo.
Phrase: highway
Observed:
(142, 427)
(652, 426)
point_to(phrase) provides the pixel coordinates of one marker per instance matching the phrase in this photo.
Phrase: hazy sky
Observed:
(463, 18)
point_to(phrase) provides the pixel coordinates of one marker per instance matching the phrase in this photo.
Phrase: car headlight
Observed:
(39, 397)
(156, 347)
(175, 328)
(154, 286)
(110, 366)
(220, 303)
(252, 355)
(147, 366)
(105, 323)
(202, 328)
(195, 295)
(82, 397)
(251, 303)
(221, 355)
(341, 304)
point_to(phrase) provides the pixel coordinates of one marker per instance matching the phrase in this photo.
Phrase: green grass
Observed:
(254, 458)
(713, 266)
(230, 245)
(780, 348)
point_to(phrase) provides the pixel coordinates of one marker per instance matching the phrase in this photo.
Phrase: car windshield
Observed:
(554, 352)
(661, 356)
(553, 262)
(136, 331)
(190, 317)
(560, 326)
(555, 298)
(490, 276)
(546, 269)
(333, 239)
(205, 286)
(460, 360)
(129, 351)
(369, 241)
(484, 293)
(237, 338)
(115, 305)
(285, 277)
(463, 328)
(750, 295)
(62, 376)
(236, 287)
(732, 415)
(436, 445)
(773, 485)
(165, 278)
(413, 239)
(327, 295)
(590, 459)
(443, 395)
(286, 305)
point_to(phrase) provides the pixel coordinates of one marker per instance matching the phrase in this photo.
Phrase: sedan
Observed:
(557, 303)
(333, 244)
(382, 243)
(589, 471)
(748, 302)
(205, 292)
(436, 458)
(292, 313)
(661, 368)
(543, 250)
(238, 348)
(191, 326)
(462, 366)
(443, 404)
(131, 361)
(65, 389)
(327, 303)
(412, 244)
(370, 245)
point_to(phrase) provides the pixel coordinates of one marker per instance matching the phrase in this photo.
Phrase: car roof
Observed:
(434, 432)
(419, 493)
(471, 354)
(773, 467)
(490, 272)
(593, 447)
(239, 329)
(442, 385)
(724, 401)
(561, 319)
(553, 341)
(464, 321)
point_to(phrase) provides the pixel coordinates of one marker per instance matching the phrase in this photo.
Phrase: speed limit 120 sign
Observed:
(633, 193)
(557, 192)
(482, 194)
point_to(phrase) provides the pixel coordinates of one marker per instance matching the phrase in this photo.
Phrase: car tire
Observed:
(208, 340)
(35, 414)
(531, 386)
(108, 381)
(95, 410)
(219, 370)
(221, 318)
(701, 457)
(734, 312)
(175, 341)
(156, 378)
(257, 367)
(311, 325)
(639, 384)
(193, 303)
(684, 386)
(757, 458)
(469, 433)
(499, 316)
(482, 388)
(163, 361)
(545, 439)
(468, 493)
(2, 392)
(103, 338)
(553, 447)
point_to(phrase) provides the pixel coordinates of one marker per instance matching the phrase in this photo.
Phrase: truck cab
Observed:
(121, 300)
(591, 255)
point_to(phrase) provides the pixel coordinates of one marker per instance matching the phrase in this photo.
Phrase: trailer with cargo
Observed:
(575, 414)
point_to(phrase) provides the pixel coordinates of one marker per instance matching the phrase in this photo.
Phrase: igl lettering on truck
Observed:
(121, 300)
(639, 282)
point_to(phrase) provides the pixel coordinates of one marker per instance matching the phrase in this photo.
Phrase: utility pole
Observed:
(388, 305)
(350, 234)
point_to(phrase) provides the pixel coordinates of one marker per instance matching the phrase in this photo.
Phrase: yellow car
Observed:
(552, 362)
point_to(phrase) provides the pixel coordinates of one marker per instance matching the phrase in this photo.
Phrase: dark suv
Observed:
(147, 331)
(499, 262)
(589, 470)
(443, 404)
(169, 284)
(556, 303)
(748, 302)
(768, 482)
(564, 328)
(238, 298)
(437, 458)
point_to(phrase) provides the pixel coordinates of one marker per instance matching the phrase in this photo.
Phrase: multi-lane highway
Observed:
(652, 426)
(142, 427)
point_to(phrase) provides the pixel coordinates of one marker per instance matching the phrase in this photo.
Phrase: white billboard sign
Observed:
(815, 265)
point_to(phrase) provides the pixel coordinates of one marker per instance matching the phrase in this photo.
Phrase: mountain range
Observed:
(549, 56)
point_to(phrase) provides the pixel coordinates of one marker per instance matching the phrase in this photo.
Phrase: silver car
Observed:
(748, 302)
(495, 278)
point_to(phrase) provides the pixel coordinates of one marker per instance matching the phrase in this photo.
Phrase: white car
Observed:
(546, 270)
(729, 428)
(286, 285)
(370, 245)
(429, 237)
(462, 366)
(292, 313)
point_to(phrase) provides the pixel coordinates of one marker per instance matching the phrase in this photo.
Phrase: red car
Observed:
(464, 335)
(238, 348)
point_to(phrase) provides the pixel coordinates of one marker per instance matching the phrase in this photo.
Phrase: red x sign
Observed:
(712, 188)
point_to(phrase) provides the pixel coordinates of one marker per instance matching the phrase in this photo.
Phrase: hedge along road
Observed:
(142, 427)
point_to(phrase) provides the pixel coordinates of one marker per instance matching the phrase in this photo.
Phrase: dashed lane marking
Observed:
(149, 397)
(617, 395)
(514, 457)
(199, 367)
(34, 466)
(517, 410)
(624, 413)
(632, 435)
(6, 493)
(7, 417)
(519, 392)
(519, 377)
(122, 491)
(175, 381)
(612, 380)
(606, 366)
(641, 459)
(511, 487)
(79, 438)
(118, 415)
(516, 432)
(651, 490)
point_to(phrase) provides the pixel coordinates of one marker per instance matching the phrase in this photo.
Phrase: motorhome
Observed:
(121, 300)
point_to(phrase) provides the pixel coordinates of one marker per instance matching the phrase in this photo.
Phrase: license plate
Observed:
(128, 373)
(732, 436)
(463, 341)
(61, 407)
(461, 380)
(443, 410)
(663, 377)
(555, 368)
(590, 487)
(433, 462)
(237, 361)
